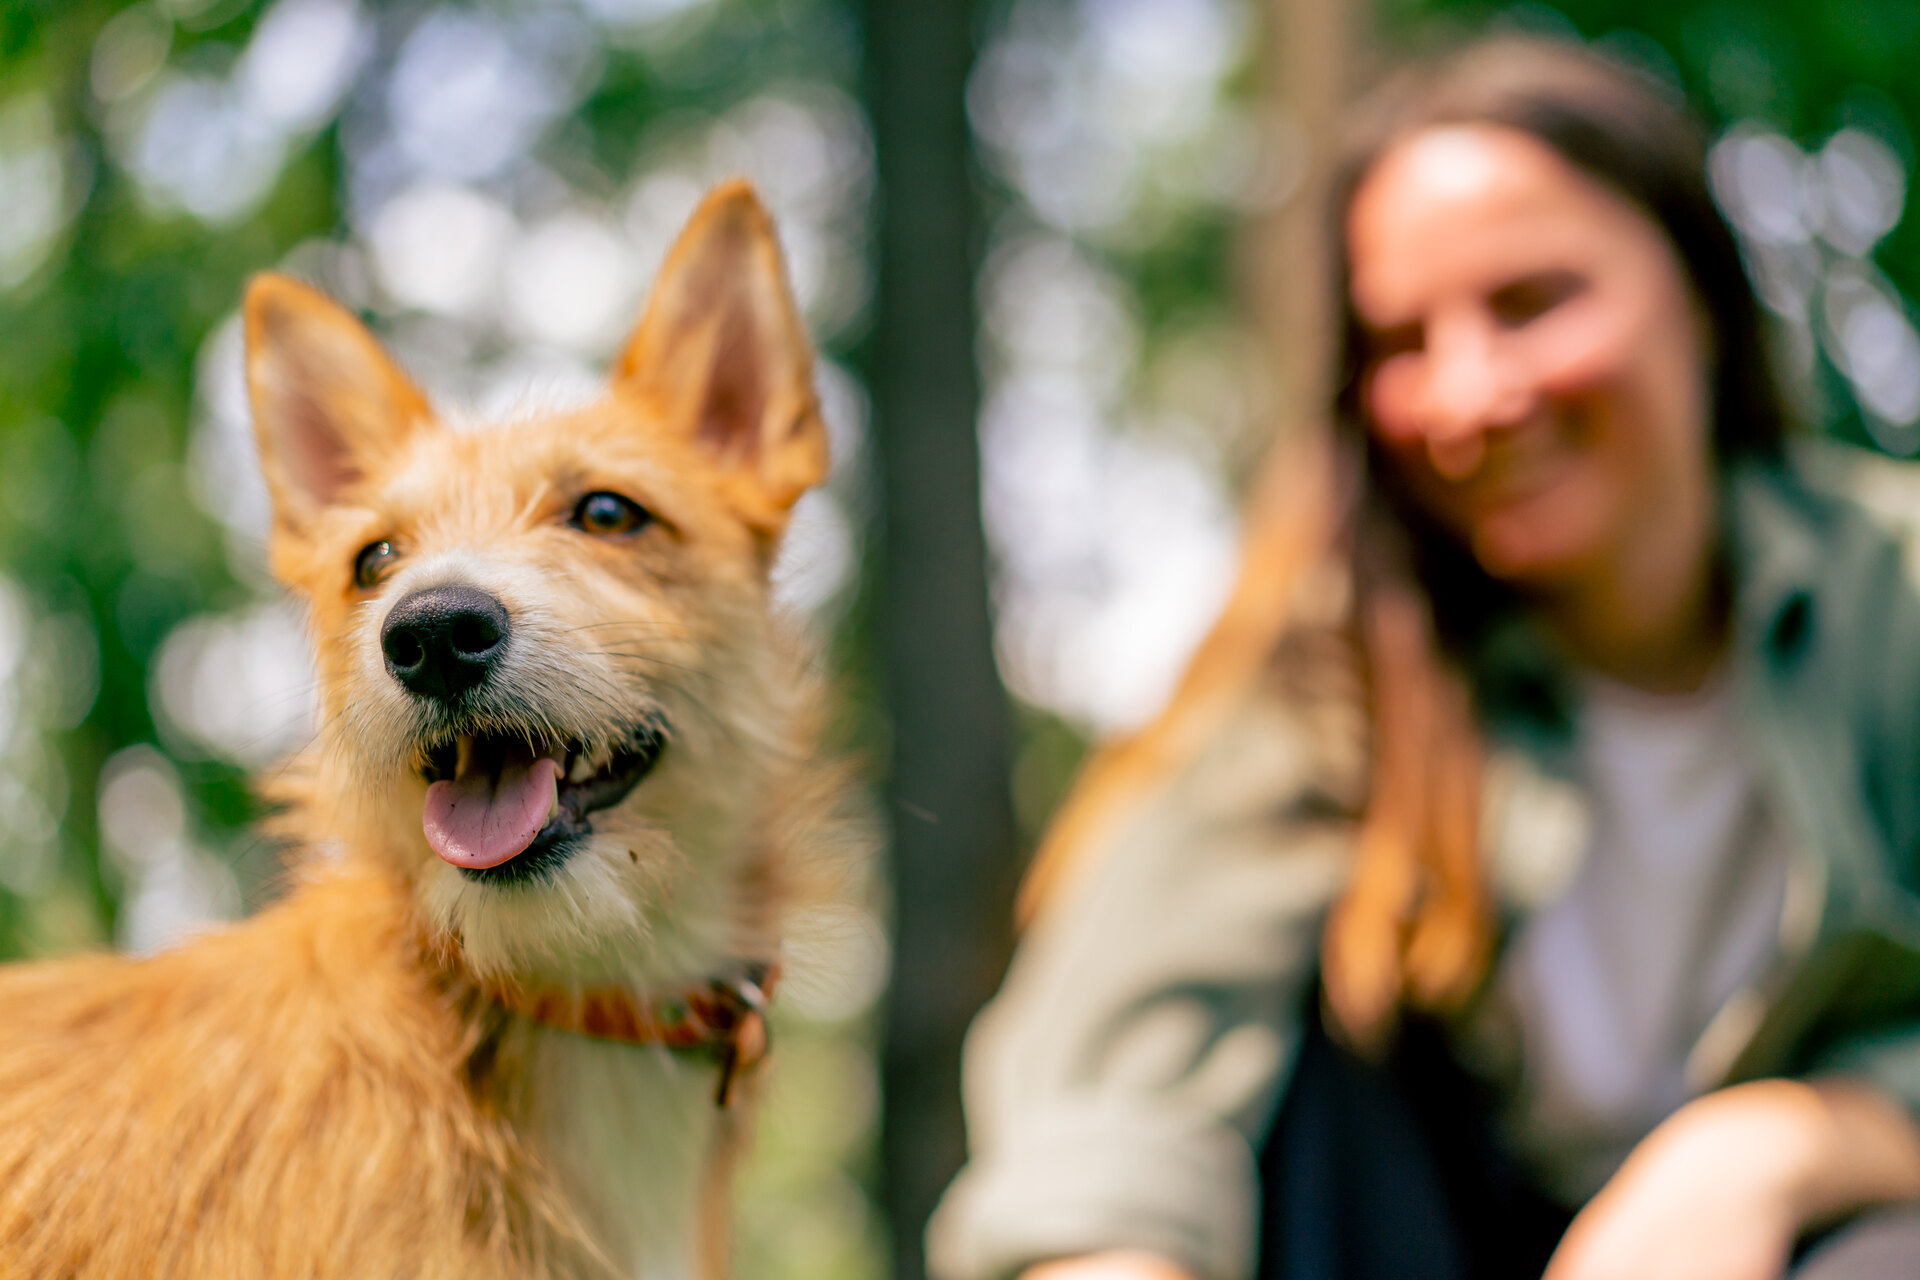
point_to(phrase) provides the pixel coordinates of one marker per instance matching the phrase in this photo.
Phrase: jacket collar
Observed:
(1773, 534)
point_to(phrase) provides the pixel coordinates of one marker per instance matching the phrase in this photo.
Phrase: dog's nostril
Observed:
(443, 641)
(403, 649)
(473, 634)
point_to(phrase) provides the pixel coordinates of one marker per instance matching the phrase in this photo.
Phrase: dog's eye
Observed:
(373, 564)
(603, 512)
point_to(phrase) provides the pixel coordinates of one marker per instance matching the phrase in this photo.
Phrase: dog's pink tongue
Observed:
(477, 820)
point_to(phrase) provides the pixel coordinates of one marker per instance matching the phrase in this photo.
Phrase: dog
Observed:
(506, 1018)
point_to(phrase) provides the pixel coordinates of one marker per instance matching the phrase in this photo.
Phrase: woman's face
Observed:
(1538, 371)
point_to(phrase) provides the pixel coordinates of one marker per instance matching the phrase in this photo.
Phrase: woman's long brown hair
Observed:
(1414, 928)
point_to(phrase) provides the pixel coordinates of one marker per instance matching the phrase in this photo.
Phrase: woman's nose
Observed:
(1474, 386)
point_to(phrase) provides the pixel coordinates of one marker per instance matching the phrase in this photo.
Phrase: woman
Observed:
(1524, 875)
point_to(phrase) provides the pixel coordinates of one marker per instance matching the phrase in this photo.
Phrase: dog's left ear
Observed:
(722, 355)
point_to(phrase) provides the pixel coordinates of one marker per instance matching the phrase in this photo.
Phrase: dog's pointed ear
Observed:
(329, 404)
(722, 355)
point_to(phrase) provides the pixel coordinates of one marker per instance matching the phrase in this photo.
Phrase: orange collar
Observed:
(727, 1016)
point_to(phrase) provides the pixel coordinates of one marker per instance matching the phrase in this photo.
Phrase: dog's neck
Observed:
(636, 1143)
(629, 1108)
(630, 1092)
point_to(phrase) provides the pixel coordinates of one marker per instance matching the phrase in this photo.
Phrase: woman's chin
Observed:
(1519, 552)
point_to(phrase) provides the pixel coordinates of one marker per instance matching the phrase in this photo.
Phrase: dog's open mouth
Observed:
(503, 806)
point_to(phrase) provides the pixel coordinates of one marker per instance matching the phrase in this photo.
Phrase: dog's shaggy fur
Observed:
(335, 1088)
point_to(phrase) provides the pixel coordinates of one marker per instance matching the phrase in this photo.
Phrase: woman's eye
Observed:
(1530, 298)
(373, 563)
(608, 513)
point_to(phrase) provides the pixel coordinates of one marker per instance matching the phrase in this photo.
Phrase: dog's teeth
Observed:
(463, 754)
(581, 771)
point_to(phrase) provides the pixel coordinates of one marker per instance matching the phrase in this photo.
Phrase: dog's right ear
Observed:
(329, 404)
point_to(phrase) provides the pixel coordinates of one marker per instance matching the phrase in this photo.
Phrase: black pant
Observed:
(1390, 1171)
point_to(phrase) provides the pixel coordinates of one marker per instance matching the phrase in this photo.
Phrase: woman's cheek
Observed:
(1390, 395)
(1584, 348)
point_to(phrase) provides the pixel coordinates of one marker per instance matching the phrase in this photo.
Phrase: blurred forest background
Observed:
(1053, 253)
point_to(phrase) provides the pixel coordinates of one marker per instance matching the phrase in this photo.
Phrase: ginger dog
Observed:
(501, 1024)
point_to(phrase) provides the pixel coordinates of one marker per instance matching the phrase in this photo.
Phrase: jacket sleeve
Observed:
(1888, 1059)
(1877, 597)
(1118, 1086)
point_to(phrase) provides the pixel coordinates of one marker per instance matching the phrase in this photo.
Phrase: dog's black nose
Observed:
(441, 642)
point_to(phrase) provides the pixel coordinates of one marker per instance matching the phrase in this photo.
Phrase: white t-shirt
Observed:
(1676, 907)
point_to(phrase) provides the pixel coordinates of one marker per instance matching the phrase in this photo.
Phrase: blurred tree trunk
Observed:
(953, 854)
(1314, 59)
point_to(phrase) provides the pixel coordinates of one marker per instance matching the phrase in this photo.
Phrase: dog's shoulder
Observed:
(255, 1100)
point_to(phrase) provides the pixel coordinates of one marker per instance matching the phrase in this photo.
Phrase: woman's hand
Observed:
(1108, 1266)
(1709, 1195)
(1724, 1187)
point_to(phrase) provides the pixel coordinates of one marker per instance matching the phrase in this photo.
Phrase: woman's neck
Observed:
(1653, 615)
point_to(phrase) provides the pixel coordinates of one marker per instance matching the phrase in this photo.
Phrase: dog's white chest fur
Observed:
(630, 1130)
